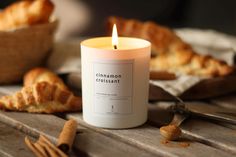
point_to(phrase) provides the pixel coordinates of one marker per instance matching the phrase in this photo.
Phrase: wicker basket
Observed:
(23, 49)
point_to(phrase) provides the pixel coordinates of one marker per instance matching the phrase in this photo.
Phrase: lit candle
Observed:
(115, 76)
(114, 36)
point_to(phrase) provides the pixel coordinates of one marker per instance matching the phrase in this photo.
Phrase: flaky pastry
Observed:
(42, 75)
(25, 13)
(170, 52)
(44, 92)
(41, 97)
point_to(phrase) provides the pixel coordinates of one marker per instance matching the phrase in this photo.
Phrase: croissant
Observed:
(41, 97)
(42, 75)
(170, 52)
(25, 13)
(43, 92)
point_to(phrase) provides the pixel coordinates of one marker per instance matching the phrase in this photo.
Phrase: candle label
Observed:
(113, 86)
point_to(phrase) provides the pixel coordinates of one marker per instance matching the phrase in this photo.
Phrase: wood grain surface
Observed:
(12, 142)
(206, 138)
(87, 142)
(148, 137)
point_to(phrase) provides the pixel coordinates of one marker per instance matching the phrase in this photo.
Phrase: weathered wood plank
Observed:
(141, 137)
(98, 145)
(211, 134)
(88, 143)
(228, 101)
(202, 130)
(148, 138)
(33, 124)
(12, 143)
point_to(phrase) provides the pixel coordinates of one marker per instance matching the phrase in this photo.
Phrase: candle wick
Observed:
(115, 47)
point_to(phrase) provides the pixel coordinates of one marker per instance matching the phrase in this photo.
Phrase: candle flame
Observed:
(114, 36)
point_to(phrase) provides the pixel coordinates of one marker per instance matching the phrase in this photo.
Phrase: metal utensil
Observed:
(182, 111)
(172, 130)
(178, 119)
(210, 111)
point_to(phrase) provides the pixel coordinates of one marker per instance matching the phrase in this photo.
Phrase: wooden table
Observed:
(206, 138)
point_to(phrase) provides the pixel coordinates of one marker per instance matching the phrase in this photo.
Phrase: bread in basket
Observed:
(26, 37)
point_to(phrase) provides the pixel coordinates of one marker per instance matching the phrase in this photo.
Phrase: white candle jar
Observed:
(115, 82)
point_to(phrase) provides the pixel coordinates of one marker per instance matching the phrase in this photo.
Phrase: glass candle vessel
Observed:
(115, 82)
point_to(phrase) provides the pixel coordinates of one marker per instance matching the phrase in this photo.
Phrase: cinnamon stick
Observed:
(33, 148)
(51, 148)
(67, 135)
(162, 75)
(41, 149)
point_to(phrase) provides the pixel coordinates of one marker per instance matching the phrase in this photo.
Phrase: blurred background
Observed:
(87, 17)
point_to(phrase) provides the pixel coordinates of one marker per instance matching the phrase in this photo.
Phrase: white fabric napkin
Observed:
(178, 86)
(211, 42)
(66, 57)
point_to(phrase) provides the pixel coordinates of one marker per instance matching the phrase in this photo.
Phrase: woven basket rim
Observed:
(53, 22)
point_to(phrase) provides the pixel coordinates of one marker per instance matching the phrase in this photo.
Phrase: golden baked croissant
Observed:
(42, 75)
(41, 97)
(43, 92)
(171, 53)
(25, 13)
